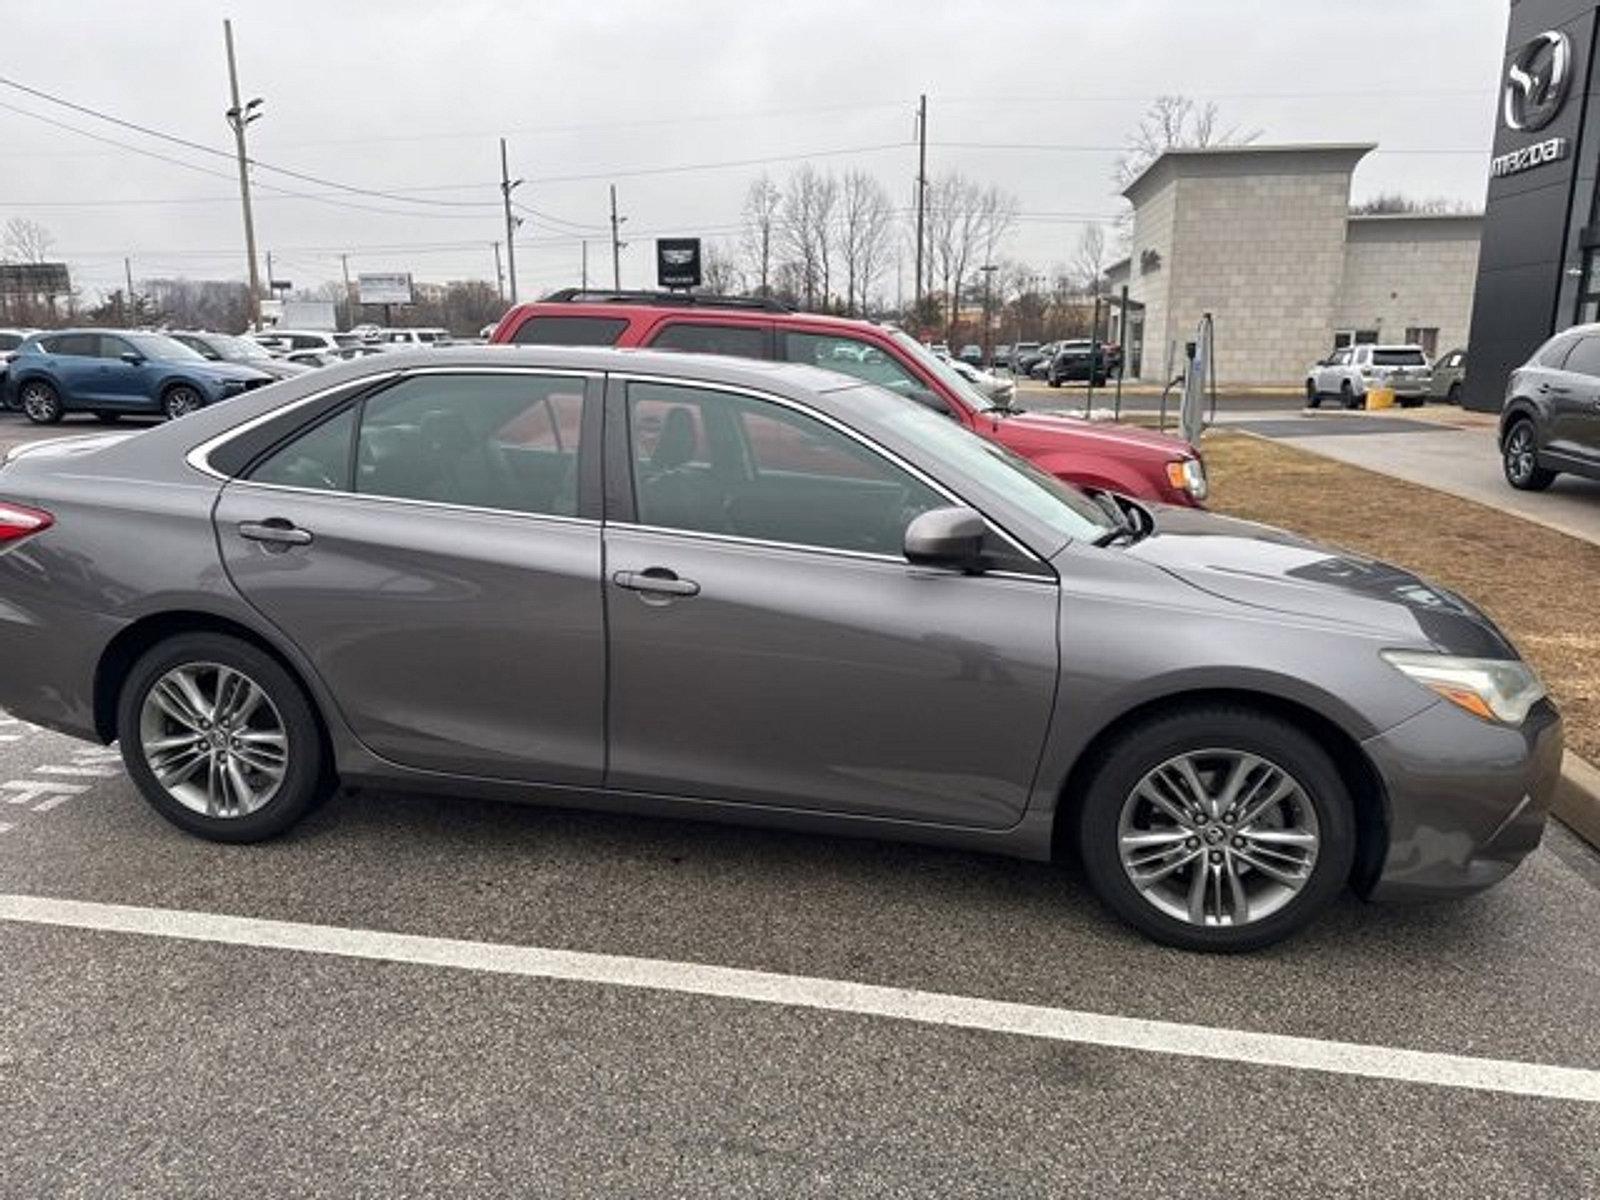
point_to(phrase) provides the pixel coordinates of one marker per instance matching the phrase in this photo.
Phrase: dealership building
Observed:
(1262, 238)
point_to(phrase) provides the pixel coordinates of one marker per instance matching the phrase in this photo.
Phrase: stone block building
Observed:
(1262, 238)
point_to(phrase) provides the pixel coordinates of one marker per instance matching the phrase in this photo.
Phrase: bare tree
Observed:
(762, 205)
(25, 241)
(965, 222)
(1393, 203)
(866, 215)
(1090, 264)
(806, 228)
(1175, 123)
(719, 272)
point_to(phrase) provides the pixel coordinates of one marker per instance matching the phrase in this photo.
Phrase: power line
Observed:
(634, 172)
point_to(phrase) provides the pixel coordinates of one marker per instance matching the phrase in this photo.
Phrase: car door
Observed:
(770, 645)
(434, 549)
(1573, 396)
(1332, 373)
(120, 384)
(75, 364)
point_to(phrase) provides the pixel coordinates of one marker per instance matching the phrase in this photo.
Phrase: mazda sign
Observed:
(1537, 78)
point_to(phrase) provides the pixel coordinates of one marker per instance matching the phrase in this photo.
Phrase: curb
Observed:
(1577, 800)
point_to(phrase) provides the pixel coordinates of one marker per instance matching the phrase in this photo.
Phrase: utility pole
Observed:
(349, 299)
(269, 270)
(239, 116)
(499, 274)
(586, 264)
(922, 184)
(988, 270)
(127, 268)
(507, 186)
(616, 242)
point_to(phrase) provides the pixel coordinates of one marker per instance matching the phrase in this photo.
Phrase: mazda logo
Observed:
(1536, 81)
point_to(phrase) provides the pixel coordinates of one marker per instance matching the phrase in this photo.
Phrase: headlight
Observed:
(1495, 689)
(1188, 475)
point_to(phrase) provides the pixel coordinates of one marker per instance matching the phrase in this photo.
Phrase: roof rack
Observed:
(686, 299)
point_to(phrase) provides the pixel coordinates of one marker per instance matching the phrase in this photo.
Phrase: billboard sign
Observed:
(384, 289)
(678, 262)
(34, 279)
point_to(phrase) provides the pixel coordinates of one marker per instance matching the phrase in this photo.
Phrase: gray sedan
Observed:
(674, 584)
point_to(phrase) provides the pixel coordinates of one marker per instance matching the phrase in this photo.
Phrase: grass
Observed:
(1540, 586)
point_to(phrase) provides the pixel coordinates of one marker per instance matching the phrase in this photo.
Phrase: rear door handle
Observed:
(274, 531)
(659, 581)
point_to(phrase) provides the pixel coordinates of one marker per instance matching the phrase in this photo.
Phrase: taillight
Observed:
(17, 522)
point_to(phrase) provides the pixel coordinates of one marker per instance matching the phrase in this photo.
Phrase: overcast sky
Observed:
(409, 97)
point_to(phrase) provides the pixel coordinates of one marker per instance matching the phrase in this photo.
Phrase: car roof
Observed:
(637, 308)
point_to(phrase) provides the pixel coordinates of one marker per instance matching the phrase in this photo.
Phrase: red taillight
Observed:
(19, 522)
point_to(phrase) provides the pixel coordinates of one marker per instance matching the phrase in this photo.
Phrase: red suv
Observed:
(1135, 462)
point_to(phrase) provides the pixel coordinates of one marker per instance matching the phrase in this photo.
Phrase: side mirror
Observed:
(947, 537)
(132, 357)
(929, 399)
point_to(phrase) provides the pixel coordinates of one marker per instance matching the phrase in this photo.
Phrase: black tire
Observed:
(1453, 396)
(1313, 397)
(1142, 748)
(307, 777)
(1519, 458)
(1053, 381)
(1348, 397)
(108, 418)
(180, 400)
(41, 403)
(1413, 402)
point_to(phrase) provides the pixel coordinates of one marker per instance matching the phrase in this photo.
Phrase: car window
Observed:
(1555, 351)
(199, 345)
(713, 462)
(1585, 357)
(111, 347)
(1342, 358)
(851, 356)
(82, 345)
(740, 341)
(570, 331)
(1398, 358)
(10, 341)
(318, 459)
(486, 441)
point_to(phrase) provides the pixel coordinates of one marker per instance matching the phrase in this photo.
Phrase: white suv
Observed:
(412, 339)
(1348, 372)
(284, 341)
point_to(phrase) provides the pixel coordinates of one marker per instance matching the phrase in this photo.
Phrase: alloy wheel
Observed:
(180, 402)
(214, 740)
(1218, 837)
(1519, 454)
(40, 403)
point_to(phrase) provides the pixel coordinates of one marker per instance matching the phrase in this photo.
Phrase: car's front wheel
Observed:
(1347, 395)
(1520, 457)
(221, 739)
(1313, 397)
(181, 400)
(1216, 828)
(41, 403)
(1453, 396)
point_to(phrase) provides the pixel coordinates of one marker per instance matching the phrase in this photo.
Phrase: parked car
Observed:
(1551, 420)
(1039, 368)
(10, 339)
(971, 353)
(1228, 724)
(1000, 358)
(221, 347)
(1348, 372)
(1024, 355)
(1079, 360)
(282, 341)
(942, 349)
(999, 391)
(1137, 462)
(115, 373)
(310, 360)
(412, 339)
(1449, 376)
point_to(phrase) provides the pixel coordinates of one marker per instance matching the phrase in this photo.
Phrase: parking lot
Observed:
(643, 1007)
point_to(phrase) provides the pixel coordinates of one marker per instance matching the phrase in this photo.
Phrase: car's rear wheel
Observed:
(1347, 395)
(221, 739)
(1520, 457)
(41, 403)
(1313, 397)
(1217, 829)
(180, 400)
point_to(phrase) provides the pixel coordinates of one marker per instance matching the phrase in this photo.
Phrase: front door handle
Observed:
(275, 531)
(659, 581)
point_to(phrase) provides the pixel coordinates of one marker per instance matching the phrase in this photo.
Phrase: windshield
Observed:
(235, 349)
(1398, 358)
(943, 371)
(1058, 505)
(159, 345)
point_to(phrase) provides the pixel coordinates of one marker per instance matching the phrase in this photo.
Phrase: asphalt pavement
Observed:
(182, 1063)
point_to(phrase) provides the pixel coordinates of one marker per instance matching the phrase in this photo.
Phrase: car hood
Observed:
(274, 367)
(1268, 568)
(1130, 437)
(226, 370)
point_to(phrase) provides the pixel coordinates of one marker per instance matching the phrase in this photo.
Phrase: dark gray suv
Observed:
(731, 590)
(1551, 419)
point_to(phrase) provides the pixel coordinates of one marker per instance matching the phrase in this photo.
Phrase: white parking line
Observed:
(830, 995)
(97, 772)
(49, 792)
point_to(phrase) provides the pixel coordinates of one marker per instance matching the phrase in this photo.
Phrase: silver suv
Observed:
(1349, 372)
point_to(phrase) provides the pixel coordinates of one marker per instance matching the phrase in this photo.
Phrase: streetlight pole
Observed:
(922, 188)
(239, 117)
(616, 243)
(988, 270)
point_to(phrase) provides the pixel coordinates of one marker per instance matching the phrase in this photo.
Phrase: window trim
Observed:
(622, 507)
